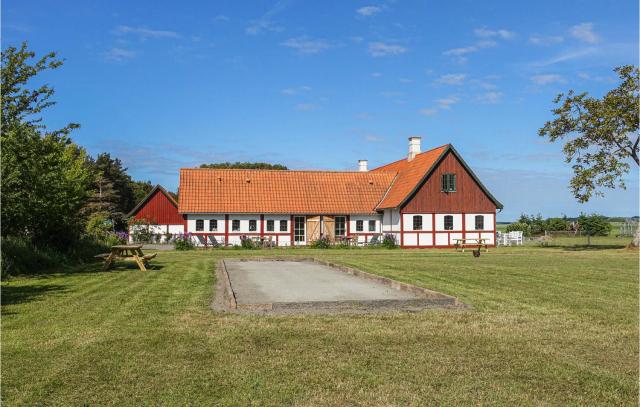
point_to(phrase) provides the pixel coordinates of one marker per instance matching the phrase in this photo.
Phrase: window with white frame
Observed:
(448, 222)
(213, 225)
(417, 222)
(235, 225)
(359, 226)
(372, 226)
(253, 225)
(298, 229)
(340, 226)
(479, 222)
(283, 225)
(199, 225)
(271, 225)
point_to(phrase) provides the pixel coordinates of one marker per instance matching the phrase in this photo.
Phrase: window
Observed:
(372, 226)
(340, 226)
(199, 225)
(253, 225)
(235, 225)
(359, 225)
(270, 225)
(417, 222)
(298, 229)
(479, 222)
(448, 182)
(283, 225)
(448, 222)
(213, 225)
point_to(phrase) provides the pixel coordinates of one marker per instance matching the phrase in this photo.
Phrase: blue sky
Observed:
(319, 85)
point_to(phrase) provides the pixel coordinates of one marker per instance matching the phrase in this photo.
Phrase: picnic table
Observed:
(471, 242)
(126, 252)
(266, 242)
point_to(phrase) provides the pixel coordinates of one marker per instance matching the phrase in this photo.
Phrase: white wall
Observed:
(391, 220)
(470, 221)
(365, 219)
(457, 221)
(276, 219)
(407, 221)
(191, 222)
(157, 230)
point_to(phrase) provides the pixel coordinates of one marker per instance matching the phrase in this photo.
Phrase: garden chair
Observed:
(214, 242)
(375, 240)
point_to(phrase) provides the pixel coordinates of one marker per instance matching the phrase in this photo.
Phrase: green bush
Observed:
(321, 243)
(594, 225)
(99, 225)
(184, 242)
(519, 226)
(536, 224)
(557, 224)
(19, 256)
(247, 243)
(389, 241)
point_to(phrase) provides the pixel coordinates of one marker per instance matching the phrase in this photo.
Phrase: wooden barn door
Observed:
(313, 228)
(329, 227)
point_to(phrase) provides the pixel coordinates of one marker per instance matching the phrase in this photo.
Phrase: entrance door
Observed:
(298, 230)
(329, 227)
(313, 228)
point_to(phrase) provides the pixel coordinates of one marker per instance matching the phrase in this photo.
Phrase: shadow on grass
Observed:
(583, 247)
(25, 293)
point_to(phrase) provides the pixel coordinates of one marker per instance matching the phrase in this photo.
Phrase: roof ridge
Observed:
(279, 171)
(403, 159)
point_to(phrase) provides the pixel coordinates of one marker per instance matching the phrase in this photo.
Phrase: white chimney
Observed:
(414, 147)
(362, 165)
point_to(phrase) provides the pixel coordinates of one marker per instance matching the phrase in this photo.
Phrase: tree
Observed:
(601, 135)
(140, 190)
(45, 177)
(593, 225)
(245, 165)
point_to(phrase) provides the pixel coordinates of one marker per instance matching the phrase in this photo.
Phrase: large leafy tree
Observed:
(600, 135)
(45, 177)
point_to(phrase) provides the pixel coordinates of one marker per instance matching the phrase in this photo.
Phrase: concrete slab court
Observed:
(311, 285)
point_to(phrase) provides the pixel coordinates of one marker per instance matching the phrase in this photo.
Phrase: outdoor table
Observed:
(126, 252)
(479, 242)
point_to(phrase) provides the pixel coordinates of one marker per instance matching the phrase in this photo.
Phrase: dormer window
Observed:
(448, 183)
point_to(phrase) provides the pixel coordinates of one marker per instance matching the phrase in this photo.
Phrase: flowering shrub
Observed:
(246, 242)
(389, 241)
(183, 242)
(321, 243)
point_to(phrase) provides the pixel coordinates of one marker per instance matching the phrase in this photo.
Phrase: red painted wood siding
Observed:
(160, 210)
(468, 198)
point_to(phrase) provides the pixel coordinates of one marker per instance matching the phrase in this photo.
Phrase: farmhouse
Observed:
(425, 200)
(157, 212)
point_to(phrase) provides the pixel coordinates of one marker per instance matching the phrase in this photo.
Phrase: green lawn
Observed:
(549, 326)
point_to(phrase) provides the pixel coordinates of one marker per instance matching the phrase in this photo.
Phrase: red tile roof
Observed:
(409, 175)
(267, 191)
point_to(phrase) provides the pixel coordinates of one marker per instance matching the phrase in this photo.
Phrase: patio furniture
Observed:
(375, 240)
(476, 243)
(130, 252)
(510, 238)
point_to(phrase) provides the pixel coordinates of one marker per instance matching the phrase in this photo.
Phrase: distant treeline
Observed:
(245, 166)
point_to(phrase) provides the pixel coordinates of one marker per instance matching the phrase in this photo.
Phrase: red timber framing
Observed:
(433, 232)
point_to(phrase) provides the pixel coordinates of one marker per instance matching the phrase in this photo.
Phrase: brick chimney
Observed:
(414, 147)
(362, 165)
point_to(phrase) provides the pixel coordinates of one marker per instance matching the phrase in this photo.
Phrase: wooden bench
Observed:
(102, 255)
(149, 256)
(466, 243)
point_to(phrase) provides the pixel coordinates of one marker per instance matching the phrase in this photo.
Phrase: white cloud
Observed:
(405, 80)
(368, 11)
(307, 107)
(502, 33)
(568, 56)
(295, 91)
(144, 32)
(460, 51)
(446, 103)
(306, 45)
(373, 138)
(428, 111)
(376, 74)
(452, 79)
(118, 54)
(265, 23)
(584, 32)
(489, 97)
(381, 49)
(547, 78)
(545, 40)
(221, 18)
